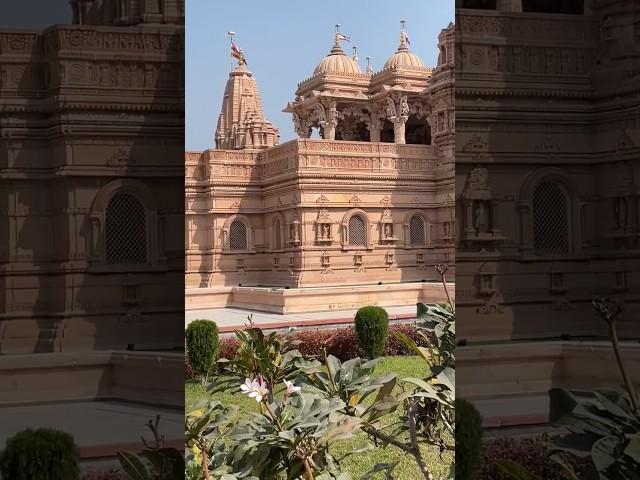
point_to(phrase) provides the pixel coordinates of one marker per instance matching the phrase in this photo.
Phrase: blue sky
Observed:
(283, 41)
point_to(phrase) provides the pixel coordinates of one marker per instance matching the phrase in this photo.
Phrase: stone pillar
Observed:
(374, 129)
(510, 5)
(398, 129)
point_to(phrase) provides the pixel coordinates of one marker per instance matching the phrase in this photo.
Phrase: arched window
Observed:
(238, 236)
(550, 219)
(277, 234)
(417, 237)
(125, 231)
(357, 233)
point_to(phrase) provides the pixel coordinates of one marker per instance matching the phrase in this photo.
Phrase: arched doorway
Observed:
(417, 131)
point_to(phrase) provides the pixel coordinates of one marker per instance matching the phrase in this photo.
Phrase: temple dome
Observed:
(337, 62)
(403, 56)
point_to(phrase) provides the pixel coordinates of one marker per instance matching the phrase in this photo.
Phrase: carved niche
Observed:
(294, 230)
(324, 227)
(386, 227)
(478, 205)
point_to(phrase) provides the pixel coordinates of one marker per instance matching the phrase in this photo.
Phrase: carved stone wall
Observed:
(550, 116)
(88, 113)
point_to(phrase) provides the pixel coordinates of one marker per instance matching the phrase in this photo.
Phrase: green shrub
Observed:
(372, 328)
(468, 440)
(42, 454)
(202, 347)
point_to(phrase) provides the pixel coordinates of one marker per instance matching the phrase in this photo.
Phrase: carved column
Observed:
(398, 129)
(331, 123)
(374, 127)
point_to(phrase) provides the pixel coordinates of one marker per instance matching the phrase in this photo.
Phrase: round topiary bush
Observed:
(42, 454)
(202, 347)
(468, 432)
(372, 328)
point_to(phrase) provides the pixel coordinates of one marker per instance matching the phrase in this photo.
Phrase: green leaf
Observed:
(633, 449)
(513, 470)
(134, 466)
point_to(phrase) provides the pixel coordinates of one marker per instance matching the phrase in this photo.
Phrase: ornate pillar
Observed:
(398, 129)
(332, 122)
(374, 127)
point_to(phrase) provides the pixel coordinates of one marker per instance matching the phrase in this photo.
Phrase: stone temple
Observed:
(357, 216)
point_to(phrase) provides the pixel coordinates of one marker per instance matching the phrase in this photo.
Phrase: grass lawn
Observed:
(357, 465)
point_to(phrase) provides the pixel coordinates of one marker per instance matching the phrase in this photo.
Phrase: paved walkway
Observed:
(230, 318)
(100, 428)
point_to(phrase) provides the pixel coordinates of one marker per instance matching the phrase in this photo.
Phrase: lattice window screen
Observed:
(550, 219)
(277, 232)
(416, 231)
(125, 231)
(238, 236)
(357, 234)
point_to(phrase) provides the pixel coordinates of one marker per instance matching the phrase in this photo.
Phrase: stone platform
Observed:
(102, 398)
(229, 319)
(316, 299)
(509, 382)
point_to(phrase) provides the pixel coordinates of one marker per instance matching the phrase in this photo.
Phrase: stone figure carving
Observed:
(325, 231)
(387, 230)
(480, 221)
(391, 108)
(446, 229)
(404, 107)
(320, 113)
(297, 124)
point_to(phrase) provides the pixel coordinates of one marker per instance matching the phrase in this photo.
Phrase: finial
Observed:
(369, 69)
(337, 28)
(404, 38)
(355, 52)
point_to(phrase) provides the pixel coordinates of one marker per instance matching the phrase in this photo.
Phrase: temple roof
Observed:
(241, 123)
(403, 56)
(337, 62)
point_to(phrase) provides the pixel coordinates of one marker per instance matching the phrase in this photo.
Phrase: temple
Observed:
(355, 211)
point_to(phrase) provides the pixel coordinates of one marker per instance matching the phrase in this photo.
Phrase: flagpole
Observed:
(231, 34)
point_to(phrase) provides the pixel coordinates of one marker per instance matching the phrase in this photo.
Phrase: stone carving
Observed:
(404, 107)
(355, 199)
(390, 109)
(475, 144)
(322, 199)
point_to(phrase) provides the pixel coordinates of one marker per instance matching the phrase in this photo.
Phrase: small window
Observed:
(550, 219)
(357, 234)
(237, 236)
(125, 231)
(416, 231)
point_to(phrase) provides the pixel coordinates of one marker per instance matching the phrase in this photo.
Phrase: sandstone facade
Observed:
(92, 134)
(369, 201)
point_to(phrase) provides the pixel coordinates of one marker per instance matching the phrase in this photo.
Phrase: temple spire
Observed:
(241, 124)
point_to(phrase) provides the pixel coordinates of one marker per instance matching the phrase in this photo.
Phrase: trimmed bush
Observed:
(42, 454)
(372, 327)
(342, 343)
(202, 347)
(468, 431)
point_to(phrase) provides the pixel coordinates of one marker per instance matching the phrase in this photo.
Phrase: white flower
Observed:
(291, 388)
(255, 388)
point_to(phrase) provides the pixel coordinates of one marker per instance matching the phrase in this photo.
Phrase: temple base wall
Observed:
(317, 299)
(509, 383)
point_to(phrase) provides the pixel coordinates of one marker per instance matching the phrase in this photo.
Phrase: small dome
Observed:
(337, 62)
(403, 57)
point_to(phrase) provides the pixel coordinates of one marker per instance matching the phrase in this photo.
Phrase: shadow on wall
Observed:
(95, 211)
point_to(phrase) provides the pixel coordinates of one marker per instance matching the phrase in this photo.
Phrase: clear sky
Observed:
(283, 41)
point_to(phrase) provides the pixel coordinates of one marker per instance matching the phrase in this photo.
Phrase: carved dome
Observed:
(403, 56)
(337, 62)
